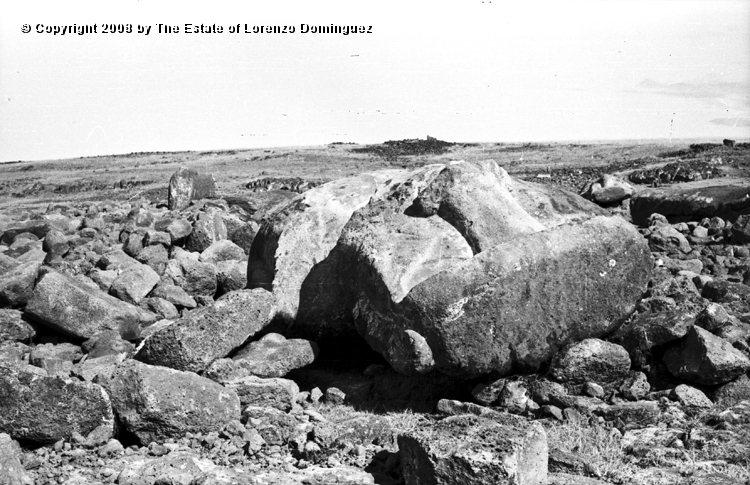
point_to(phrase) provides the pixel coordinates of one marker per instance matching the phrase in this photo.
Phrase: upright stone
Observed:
(186, 185)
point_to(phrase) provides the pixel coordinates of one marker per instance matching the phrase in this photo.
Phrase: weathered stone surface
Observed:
(668, 239)
(635, 414)
(187, 184)
(513, 306)
(691, 397)
(194, 341)
(57, 359)
(55, 242)
(607, 190)
(591, 360)
(463, 450)
(488, 392)
(103, 278)
(179, 230)
(116, 260)
(17, 284)
(649, 330)
(705, 359)
(208, 228)
(157, 403)
(271, 356)
(132, 285)
(733, 392)
(13, 327)
(725, 201)
(287, 247)
(231, 276)
(635, 387)
(98, 368)
(155, 257)
(174, 295)
(107, 342)
(66, 305)
(12, 471)
(43, 410)
(161, 307)
(223, 250)
(196, 278)
(273, 392)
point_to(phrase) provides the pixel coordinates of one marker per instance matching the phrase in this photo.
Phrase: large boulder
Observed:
(725, 201)
(17, 284)
(187, 184)
(468, 449)
(591, 360)
(133, 284)
(193, 342)
(12, 471)
(208, 228)
(65, 304)
(451, 267)
(43, 410)
(705, 359)
(155, 403)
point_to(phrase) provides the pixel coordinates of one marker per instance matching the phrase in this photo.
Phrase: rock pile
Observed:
(147, 344)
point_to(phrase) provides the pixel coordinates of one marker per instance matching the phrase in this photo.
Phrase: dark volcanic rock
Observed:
(156, 403)
(65, 304)
(591, 360)
(193, 342)
(13, 327)
(43, 410)
(705, 359)
(17, 284)
(464, 450)
(725, 201)
(186, 185)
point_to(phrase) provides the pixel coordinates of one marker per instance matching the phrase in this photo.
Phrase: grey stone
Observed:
(705, 359)
(132, 285)
(591, 360)
(157, 403)
(66, 305)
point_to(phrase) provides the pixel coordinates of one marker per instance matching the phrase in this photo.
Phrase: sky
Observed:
(463, 71)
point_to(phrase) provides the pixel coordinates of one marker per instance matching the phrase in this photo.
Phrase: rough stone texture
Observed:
(17, 284)
(196, 278)
(223, 250)
(733, 392)
(57, 359)
(193, 342)
(12, 471)
(116, 260)
(668, 239)
(231, 276)
(608, 190)
(591, 360)
(301, 236)
(13, 327)
(42, 410)
(705, 359)
(725, 201)
(635, 387)
(103, 278)
(513, 306)
(106, 342)
(156, 403)
(691, 397)
(132, 285)
(463, 450)
(487, 393)
(161, 307)
(179, 230)
(271, 356)
(258, 392)
(187, 184)
(649, 330)
(66, 305)
(174, 295)
(156, 257)
(634, 414)
(99, 368)
(208, 228)
(55, 242)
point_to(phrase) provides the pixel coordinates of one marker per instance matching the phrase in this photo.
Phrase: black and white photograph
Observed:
(449, 242)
